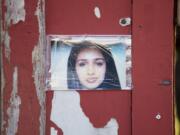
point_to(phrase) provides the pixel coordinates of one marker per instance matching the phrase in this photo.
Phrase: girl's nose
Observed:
(91, 70)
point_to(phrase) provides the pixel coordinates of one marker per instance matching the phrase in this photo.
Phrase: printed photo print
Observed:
(89, 62)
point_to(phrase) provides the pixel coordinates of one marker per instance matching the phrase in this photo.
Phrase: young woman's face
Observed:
(90, 67)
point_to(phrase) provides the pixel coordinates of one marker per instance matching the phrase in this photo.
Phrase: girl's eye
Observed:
(82, 64)
(100, 63)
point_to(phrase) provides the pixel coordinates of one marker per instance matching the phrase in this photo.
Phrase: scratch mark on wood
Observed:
(13, 110)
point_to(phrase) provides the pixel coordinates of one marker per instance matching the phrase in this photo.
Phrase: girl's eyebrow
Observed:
(87, 59)
(100, 59)
(81, 59)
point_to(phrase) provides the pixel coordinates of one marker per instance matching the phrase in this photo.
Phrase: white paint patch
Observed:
(53, 131)
(13, 110)
(97, 12)
(15, 11)
(67, 114)
(38, 60)
(7, 45)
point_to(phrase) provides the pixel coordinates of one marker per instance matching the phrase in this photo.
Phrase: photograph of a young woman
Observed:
(91, 67)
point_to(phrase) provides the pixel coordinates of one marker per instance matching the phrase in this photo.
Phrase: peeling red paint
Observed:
(13, 110)
(24, 36)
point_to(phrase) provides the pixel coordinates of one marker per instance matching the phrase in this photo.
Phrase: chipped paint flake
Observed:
(38, 60)
(97, 12)
(67, 114)
(15, 11)
(13, 110)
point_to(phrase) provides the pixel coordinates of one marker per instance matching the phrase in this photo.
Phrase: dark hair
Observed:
(111, 80)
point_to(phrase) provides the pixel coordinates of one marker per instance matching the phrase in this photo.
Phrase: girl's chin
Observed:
(91, 87)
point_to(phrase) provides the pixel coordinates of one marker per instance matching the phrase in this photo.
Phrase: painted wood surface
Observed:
(90, 18)
(147, 110)
(153, 48)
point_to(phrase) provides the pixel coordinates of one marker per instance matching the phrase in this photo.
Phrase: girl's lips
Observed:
(91, 80)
